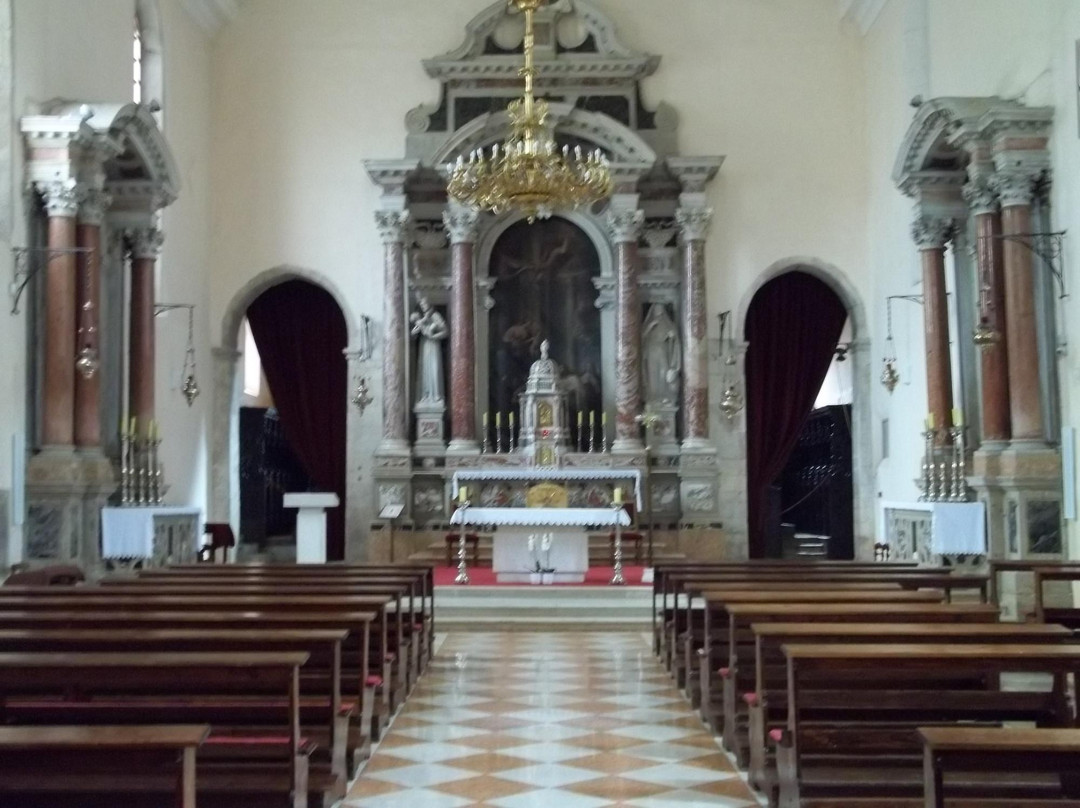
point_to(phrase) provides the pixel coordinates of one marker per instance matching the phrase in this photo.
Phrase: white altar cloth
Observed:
(129, 532)
(549, 475)
(956, 528)
(569, 555)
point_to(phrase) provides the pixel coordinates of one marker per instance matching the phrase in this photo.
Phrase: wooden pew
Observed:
(1062, 615)
(91, 766)
(237, 768)
(1027, 566)
(854, 713)
(983, 751)
(338, 723)
(765, 702)
(730, 629)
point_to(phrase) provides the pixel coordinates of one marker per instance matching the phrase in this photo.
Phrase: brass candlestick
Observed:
(617, 579)
(125, 468)
(498, 433)
(592, 432)
(462, 570)
(511, 439)
(925, 484)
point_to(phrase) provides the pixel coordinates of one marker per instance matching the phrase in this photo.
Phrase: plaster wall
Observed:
(304, 93)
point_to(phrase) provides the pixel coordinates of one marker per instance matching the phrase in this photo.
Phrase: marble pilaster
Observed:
(625, 226)
(461, 223)
(694, 226)
(393, 226)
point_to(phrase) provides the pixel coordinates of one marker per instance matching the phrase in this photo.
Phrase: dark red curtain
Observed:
(301, 336)
(792, 328)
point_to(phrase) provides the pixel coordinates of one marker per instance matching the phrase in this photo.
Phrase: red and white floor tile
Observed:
(528, 720)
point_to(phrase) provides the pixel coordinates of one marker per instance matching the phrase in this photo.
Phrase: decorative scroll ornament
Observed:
(527, 173)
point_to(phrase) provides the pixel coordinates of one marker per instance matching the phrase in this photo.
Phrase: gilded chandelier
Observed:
(528, 173)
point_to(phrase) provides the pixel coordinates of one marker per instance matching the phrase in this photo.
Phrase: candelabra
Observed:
(462, 571)
(617, 579)
(125, 468)
(592, 432)
(959, 464)
(498, 433)
(141, 474)
(511, 439)
(926, 485)
(487, 444)
(604, 447)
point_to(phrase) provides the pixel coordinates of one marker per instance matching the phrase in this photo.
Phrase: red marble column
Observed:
(461, 223)
(393, 226)
(625, 226)
(931, 236)
(694, 225)
(88, 390)
(982, 200)
(58, 380)
(145, 244)
(1017, 189)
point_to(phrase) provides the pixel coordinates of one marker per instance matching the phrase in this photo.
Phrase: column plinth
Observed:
(931, 236)
(694, 224)
(626, 228)
(145, 246)
(461, 224)
(393, 225)
(60, 273)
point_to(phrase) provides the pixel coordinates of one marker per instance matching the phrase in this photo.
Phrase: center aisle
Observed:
(529, 720)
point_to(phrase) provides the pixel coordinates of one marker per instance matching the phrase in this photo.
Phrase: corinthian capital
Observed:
(694, 223)
(461, 223)
(93, 203)
(393, 225)
(931, 232)
(626, 225)
(980, 195)
(145, 242)
(61, 197)
(1016, 185)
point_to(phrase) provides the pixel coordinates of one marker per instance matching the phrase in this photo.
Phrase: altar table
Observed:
(156, 534)
(569, 555)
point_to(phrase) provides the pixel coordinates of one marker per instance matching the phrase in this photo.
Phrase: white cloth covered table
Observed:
(956, 528)
(130, 532)
(511, 559)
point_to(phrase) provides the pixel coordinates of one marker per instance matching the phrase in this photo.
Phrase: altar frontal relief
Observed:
(544, 290)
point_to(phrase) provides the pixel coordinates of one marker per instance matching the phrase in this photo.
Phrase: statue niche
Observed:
(545, 291)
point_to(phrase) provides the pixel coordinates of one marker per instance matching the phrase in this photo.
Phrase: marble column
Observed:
(145, 244)
(626, 226)
(931, 235)
(1017, 190)
(461, 223)
(694, 227)
(982, 200)
(393, 226)
(92, 208)
(60, 271)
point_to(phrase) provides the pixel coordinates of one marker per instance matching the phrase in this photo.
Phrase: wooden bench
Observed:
(999, 567)
(968, 750)
(92, 766)
(762, 706)
(854, 712)
(270, 767)
(338, 720)
(1062, 615)
(730, 630)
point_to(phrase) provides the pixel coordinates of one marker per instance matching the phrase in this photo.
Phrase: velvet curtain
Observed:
(301, 336)
(793, 326)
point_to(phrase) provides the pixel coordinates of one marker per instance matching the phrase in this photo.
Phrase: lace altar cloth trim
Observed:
(550, 475)
(541, 517)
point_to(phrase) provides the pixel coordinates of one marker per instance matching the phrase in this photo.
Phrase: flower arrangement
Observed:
(540, 553)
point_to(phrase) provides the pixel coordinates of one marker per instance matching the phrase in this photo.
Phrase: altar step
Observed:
(599, 553)
(543, 608)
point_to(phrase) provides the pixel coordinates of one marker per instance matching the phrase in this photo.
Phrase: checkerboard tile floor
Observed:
(547, 721)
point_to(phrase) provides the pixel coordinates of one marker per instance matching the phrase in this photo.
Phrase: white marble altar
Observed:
(311, 524)
(955, 528)
(156, 534)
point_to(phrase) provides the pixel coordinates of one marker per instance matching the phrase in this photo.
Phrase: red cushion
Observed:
(751, 699)
(373, 681)
(725, 672)
(777, 735)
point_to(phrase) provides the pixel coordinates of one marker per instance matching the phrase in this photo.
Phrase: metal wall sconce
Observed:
(189, 389)
(362, 397)
(731, 401)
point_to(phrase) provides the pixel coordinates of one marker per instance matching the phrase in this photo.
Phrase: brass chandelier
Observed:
(528, 173)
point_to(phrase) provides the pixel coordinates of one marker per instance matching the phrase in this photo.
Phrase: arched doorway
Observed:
(300, 335)
(544, 289)
(793, 326)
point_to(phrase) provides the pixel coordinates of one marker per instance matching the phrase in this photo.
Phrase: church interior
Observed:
(657, 403)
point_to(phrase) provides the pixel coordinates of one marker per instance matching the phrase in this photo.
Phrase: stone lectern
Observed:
(311, 524)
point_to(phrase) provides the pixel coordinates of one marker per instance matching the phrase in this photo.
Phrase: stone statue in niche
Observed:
(430, 326)
(662, 355)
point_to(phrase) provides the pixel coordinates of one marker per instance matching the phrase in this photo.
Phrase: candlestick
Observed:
(498, 433)
(463, 572)
(603, 433)
(592, 431)
(486, 447)
(512, 439)
(462, 494)
(580, 430)
(618, 496)
(930, 421)
(617, 579)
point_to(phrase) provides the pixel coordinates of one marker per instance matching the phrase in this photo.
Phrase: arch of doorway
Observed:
(224, 505)
(862, 450)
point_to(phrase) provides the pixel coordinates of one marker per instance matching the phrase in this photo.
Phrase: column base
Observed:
(627, 446)
(698, 446)
(463, 447)
(394, 446)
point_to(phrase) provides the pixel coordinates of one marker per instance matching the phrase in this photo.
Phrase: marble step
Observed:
(534, 608)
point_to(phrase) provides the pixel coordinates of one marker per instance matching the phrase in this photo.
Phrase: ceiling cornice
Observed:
(212, 15)
(861, 13)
